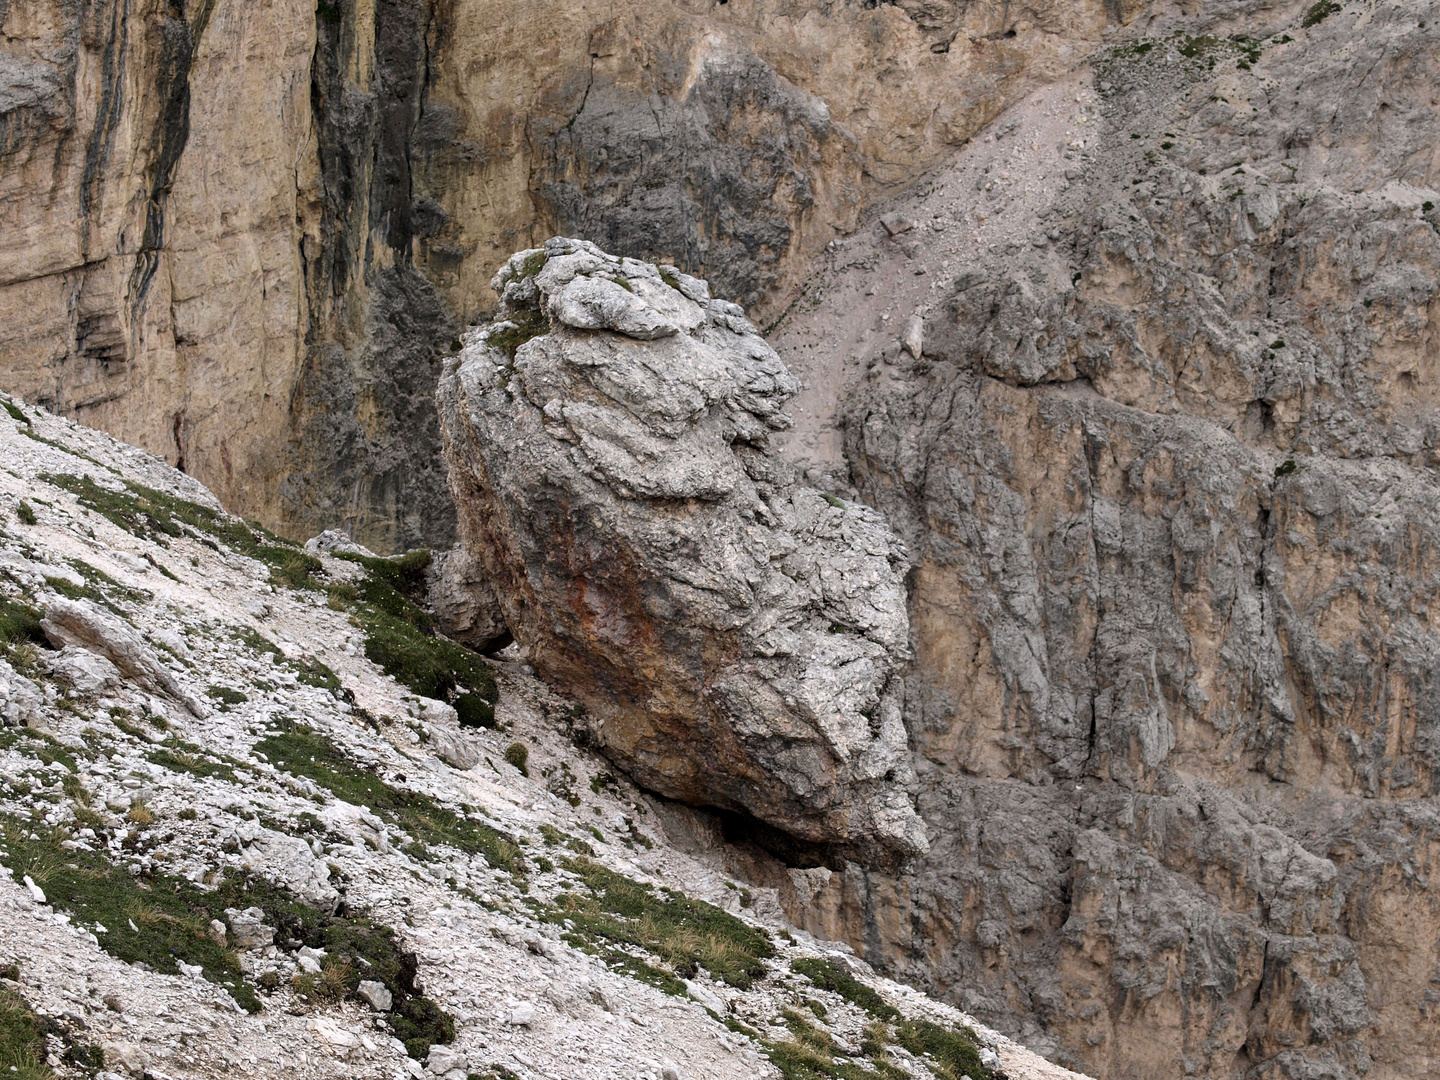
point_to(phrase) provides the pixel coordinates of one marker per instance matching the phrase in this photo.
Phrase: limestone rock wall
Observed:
(244, 235)
(1165, 461)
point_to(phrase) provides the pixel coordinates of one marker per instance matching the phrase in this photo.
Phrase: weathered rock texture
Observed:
(738, 639)
(242, 235)
(1166, 468)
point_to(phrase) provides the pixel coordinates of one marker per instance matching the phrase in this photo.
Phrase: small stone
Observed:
(217, 932)
(36, 893)
(670, 1072)
(522, 1014)
(331, 1032)
(913, 339)
(248, 929)
(127, 1056)
(376, 995)
(896, 223)
(309, 965)
(113, 1003)
(443, 1059)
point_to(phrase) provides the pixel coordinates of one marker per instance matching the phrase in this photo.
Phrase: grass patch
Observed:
(183, 757)
(160, 920)
(226, 695)
(616, 917)
(26, 513)
(19, 624)
(809, 1054)
(953, 1053)
(22, 1039)
(307, 669)
(306, 752)
(828, 975)
(157, 920)
(154, 515)
(400, 637)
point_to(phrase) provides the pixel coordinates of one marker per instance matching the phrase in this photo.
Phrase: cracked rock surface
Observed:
(104, 778)
(1166, 465)
(737, 638)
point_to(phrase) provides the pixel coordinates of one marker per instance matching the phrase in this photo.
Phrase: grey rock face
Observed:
(20, 698)
(1166, 465)
(647, 174)
(466, 607)
(737, 638)
(83, 625)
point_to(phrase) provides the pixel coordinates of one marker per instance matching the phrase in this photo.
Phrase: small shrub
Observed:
(140, 814)
(26, 513)
(518, 754)
(1319, 12)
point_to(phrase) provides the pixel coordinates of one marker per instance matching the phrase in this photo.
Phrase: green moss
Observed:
(1318, 12)
(668, 277)
(525, 325)
(306, 752)
(226, 695)
(16, 413)
(616, 917)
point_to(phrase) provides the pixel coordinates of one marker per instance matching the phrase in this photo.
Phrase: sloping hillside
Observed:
(234, 845)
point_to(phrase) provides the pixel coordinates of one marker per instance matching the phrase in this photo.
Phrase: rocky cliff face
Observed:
(244, 236)
(737, 639)
(1148, 385)
(231, 844)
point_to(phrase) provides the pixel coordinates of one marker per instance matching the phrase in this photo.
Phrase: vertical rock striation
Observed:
(244, 237)
(1166, 465)
(738, 639)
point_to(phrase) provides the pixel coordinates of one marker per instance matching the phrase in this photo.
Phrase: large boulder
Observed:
(736, 638)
